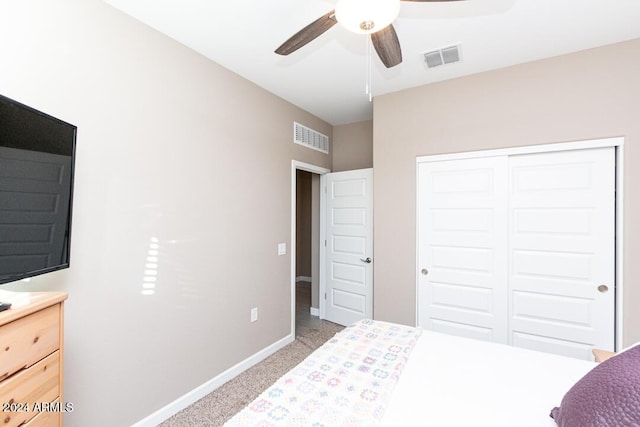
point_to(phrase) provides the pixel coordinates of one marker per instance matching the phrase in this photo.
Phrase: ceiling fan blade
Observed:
(307, 34)
(387, 46)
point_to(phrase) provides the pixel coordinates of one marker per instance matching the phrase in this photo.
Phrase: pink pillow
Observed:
(607, 396)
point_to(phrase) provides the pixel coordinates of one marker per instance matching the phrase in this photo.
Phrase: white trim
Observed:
(617, 142)
(619, 246)
(314, 311)
(530, 149)
(303, 279)
(417, 235)
(295, 165)
(201, 391)
(322, 279)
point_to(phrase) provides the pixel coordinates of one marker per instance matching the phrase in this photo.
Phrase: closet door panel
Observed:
(561, 249)
(462, 281)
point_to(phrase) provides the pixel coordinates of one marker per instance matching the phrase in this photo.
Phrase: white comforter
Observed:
(452, 381)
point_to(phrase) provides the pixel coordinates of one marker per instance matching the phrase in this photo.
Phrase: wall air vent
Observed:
(445, 55)
(310, 138)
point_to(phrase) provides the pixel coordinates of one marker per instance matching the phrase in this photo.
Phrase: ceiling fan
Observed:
(372, 17)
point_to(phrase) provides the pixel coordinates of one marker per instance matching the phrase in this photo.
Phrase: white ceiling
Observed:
(327, 76)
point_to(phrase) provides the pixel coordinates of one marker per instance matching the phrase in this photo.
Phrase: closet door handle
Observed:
(366, 260)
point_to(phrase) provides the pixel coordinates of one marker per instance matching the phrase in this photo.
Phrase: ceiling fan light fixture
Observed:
(366, 16)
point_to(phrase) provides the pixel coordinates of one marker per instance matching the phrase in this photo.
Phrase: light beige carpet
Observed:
(220, 405)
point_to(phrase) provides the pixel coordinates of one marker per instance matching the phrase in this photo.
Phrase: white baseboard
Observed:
(314, 312)
(201, 391)
(303, 279)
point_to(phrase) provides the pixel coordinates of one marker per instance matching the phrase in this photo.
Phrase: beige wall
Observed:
(586, 95)
(303, 224)
(315, 240)
(353, 146)
(308, 230)
(170, 147)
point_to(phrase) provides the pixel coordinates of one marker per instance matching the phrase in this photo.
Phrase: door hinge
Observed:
(325, 243)
(325, 295)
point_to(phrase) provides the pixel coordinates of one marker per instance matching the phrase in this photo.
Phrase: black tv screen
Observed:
(37, 155)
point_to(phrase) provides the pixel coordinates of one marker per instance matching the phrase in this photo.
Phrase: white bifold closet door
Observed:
(520, 249)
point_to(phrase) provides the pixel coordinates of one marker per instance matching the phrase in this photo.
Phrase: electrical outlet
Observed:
(254, 314)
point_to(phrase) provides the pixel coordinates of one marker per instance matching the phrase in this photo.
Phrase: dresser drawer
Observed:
(45, 419)
(25, 341)
(38, 384)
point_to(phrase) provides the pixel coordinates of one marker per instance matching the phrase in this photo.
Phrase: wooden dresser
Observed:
(31, 350)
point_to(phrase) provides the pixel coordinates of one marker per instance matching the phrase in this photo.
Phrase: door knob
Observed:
(424, 271)
(603, 289)
(367, 260)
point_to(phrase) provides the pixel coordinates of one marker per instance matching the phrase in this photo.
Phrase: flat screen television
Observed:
(37, 153)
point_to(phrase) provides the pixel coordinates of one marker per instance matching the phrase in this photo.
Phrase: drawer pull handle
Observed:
(35, 340)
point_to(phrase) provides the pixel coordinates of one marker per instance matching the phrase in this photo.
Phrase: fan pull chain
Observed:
(368, 86)
(366, 66)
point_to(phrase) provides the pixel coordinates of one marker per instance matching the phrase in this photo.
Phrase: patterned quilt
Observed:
(346, 382)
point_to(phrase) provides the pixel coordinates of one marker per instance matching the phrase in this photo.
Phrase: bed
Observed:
(379, 373)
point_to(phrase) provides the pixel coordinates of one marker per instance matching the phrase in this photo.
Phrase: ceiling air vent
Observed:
(445, 55)
(310, 138)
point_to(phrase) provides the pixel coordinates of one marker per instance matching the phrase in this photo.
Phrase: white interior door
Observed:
(562, 251)
(348, 295)
(462, 240)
